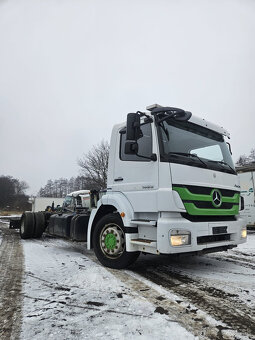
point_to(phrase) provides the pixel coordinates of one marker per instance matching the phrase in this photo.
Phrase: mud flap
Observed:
(15, 223)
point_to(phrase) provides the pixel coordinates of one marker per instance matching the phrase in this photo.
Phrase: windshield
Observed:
(194, 145)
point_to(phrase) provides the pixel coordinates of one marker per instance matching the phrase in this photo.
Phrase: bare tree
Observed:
(242, 160)
(252, 155)
(94, 166)
(62, 186)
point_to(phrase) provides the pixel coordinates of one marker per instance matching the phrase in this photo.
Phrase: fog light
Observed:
(180, 238)
(244, 233)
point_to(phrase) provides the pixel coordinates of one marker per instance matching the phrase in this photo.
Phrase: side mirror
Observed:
(133, 133)
(133, 127)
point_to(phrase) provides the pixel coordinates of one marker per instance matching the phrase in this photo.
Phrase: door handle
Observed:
(118, 179)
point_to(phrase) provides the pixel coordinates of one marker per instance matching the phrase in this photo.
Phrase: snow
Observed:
(249, 246)
(231, 271)
(69, 296)
(7, 217)
(5, 221)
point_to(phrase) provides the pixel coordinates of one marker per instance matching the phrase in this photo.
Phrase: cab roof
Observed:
(79, 192)
(196, 120)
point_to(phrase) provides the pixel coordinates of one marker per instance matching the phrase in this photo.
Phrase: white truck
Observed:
(172, 188)
(247, 181)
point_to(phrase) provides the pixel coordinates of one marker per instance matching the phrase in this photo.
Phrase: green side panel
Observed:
(185, 194)
(193, 210)
(234, 199)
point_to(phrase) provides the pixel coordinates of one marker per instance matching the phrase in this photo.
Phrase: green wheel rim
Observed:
(112, 240)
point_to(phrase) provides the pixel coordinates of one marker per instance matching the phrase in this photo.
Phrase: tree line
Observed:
(93, 168)
(12, 194)
(62, 186)
(245, 160)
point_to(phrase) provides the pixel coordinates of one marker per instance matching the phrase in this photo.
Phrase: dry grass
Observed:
(10, 212)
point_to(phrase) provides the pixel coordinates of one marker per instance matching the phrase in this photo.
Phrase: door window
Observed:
(144, 145)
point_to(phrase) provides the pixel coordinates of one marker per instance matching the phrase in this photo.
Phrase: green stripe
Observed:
(193, 210)
(186, 195)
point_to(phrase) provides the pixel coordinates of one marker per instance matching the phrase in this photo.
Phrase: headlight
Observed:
(180, 238)
(244, 232)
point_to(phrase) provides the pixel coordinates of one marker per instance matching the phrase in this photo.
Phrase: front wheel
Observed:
(109, 243)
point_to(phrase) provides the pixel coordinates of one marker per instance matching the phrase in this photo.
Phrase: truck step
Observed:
(144, 242)
(144, 222)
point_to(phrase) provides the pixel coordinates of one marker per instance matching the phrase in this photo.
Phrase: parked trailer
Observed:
(40, 203)
(172, 188)
(247, 181)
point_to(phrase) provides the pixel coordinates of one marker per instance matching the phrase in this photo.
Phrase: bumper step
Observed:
(143, 242)
(144, 222)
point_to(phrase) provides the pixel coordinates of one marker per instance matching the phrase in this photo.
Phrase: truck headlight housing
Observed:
(180, 238)
(244, 232)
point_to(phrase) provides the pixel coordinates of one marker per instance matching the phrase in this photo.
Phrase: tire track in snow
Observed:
(222, 306)
(11, 274)
(166, 302)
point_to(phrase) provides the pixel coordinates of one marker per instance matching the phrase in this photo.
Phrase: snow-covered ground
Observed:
(69, 296)
(4, 219)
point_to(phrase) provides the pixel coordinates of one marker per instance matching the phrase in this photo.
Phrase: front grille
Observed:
(213, 238)
(209, 205)
(201, 218)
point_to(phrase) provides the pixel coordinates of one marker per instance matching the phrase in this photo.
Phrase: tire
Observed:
(27, 225)
(39, 224)
(109, 243)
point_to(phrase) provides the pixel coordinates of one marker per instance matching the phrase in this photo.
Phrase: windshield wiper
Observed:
(164, 129)
(189, 155)
(224, 163)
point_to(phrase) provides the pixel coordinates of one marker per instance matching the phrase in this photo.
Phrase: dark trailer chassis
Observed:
(63, 222)
(71, 225)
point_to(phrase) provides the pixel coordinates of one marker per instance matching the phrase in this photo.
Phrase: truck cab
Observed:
(77, 199)
(172, 188)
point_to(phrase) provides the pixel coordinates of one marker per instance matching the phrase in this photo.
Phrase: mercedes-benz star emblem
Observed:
(216, 198)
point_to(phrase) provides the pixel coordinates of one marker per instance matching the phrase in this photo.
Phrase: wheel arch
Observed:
(112, 203)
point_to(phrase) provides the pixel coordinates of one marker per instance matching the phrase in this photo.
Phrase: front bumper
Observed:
(203, 234)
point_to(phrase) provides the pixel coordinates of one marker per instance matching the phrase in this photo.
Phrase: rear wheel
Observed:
(39, 224)
(27, 225)
(109, 243)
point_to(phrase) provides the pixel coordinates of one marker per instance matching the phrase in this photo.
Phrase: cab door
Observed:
(135, 176)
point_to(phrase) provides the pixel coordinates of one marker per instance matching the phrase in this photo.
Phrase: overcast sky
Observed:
(71, 69)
